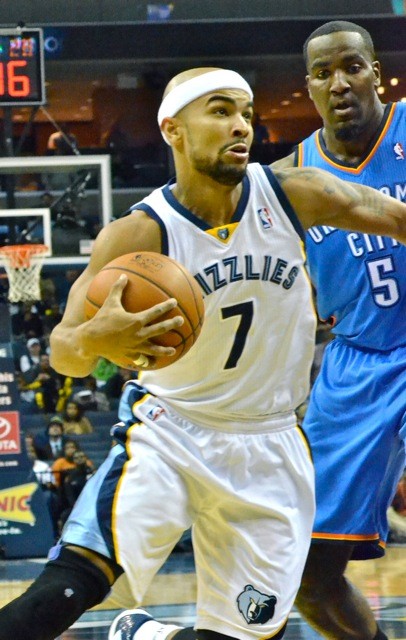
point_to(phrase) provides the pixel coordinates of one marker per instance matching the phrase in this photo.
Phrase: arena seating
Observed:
(96, 445)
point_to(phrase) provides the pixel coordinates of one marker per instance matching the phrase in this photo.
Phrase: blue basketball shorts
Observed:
(356, 427)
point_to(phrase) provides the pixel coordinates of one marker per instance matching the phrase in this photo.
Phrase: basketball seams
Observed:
(93, 303)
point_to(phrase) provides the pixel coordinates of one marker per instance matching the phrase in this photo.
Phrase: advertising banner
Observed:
(25, 524)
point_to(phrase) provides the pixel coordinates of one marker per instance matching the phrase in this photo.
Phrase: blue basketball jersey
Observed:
(360, 279)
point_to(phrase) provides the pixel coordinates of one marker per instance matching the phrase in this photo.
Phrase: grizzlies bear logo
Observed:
(256, 607)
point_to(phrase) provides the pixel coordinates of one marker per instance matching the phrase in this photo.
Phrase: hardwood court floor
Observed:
(172, 595)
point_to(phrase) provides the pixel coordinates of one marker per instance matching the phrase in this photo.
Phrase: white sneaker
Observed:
(127, 623)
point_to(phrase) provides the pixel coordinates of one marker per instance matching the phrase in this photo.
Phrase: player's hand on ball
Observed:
(123, 337)
(155, 291)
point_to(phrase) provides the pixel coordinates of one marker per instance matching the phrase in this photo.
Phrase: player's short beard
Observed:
(228, 175)
(223, 173)
(350, 133)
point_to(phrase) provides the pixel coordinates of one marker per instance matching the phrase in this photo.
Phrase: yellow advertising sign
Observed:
(15, 503)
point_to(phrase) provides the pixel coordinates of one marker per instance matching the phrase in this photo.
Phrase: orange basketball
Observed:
(153, 278)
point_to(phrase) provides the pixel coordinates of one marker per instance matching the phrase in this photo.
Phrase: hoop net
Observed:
(23, 264)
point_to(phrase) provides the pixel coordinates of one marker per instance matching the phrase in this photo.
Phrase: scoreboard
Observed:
(22, 81)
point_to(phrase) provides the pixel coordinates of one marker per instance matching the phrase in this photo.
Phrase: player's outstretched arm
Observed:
(321, 198)
(115, 334)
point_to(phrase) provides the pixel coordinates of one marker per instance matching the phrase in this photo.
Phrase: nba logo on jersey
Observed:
(155, 412)
(265, 217)
(398, 149)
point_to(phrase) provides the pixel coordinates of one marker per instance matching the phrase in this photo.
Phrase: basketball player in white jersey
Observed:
(211, 442)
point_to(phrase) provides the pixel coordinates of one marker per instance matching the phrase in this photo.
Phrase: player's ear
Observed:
(308, 87)
(171, 130)
(377, 72)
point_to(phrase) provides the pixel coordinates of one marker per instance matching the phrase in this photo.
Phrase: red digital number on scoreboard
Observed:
(12, 81)
(21, 67)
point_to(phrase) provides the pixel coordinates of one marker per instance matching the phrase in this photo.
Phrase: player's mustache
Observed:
(229, 145)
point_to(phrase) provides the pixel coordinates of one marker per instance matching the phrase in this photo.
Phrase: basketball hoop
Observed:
(23, 263)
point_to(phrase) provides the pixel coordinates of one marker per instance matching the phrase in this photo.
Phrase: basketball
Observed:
(153, 278)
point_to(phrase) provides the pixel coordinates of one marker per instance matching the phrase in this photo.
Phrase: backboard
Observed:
(26, 226)
(69, 243)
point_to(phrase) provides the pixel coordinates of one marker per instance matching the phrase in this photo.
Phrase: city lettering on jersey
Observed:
(363, 243)
(233, 269)
(360, 244)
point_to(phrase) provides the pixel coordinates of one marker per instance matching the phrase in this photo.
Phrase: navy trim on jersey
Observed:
(351, 165)
(152, 214)
(175, 204)
(202, 224)
(246, 190)
(285, 204)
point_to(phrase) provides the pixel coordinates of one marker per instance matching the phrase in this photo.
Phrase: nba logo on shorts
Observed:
(265, 217)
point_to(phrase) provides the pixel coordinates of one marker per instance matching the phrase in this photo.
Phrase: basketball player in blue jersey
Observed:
(356, 418)
(210, 442)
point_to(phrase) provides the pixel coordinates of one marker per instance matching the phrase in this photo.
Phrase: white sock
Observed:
(153, 630)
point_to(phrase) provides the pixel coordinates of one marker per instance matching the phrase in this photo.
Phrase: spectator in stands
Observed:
(29, 440)
(90, 397)
(74, 420)
(64, 462)
(60, 469)
(49, 444)
(45, 382)
(29, 361)
(32, 357)
(74, 481)
(44, 477)
(41, 468)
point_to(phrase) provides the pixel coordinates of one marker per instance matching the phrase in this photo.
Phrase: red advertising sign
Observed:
(10, 442)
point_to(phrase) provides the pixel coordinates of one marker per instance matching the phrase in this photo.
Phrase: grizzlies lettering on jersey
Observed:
(360, 278)
(251, 272)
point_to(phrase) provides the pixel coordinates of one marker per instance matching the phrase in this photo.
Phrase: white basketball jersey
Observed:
(251, 362)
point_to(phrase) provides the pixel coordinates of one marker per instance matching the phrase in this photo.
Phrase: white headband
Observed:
(198, 86)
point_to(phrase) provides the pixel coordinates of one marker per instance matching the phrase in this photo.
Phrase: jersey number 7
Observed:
(246, 311)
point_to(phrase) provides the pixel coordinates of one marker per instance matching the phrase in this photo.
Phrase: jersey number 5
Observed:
(246, 311)
(385, 289)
